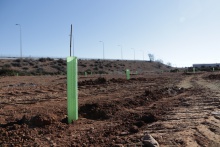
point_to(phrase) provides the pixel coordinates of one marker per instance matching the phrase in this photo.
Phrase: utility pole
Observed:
(70, 39)
(134, 52)
(103, 49)
(20, 42)
(121, 52)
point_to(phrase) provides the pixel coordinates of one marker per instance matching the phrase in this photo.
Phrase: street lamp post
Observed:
(20, 41)
(103, 50)
(121, 52)
(134, 52)
(143, 53)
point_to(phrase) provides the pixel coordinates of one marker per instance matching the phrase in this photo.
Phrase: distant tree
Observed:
(151, 57)
(169, 64)
(159, 61)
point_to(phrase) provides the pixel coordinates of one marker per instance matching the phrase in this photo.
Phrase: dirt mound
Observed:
(97, 111)
(98, 81)
(149, 118)
(170, 91)
(116, 109)
(119, 80)
(41, 120)
(116, 112)
(102, 80)
(213, 77)
(164, 92)
(152, 95)
(138, 79)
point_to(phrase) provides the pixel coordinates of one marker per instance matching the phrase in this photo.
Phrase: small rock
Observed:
(53, 144)
(41, 120)
(134, 129)
(118, 145)
(59, 136)
(48, 138)
(118, 140)
(123, 133)
(149, 141)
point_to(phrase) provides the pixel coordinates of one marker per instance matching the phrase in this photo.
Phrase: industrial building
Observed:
(206, 65)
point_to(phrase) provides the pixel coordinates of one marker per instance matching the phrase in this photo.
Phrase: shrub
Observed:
(95, 68)
(102, 72)
(25, 68)
(42, 59)
(39, 70)
(16, 64)
(59, 67)
(36, 66)
(174, 70)
(24, 63)
(7, 72)
(31, 63)
(6, 66)
(83, 65)
(25, 60)
(17, 60)
(61, 61)
(81, 73)
(88, 71)
(49, 59)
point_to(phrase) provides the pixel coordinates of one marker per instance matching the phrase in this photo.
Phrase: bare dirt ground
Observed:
(176, 109)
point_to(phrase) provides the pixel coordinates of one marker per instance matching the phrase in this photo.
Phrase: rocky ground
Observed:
(177, 109)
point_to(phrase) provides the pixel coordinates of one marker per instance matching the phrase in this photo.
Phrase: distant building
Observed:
(206, 65)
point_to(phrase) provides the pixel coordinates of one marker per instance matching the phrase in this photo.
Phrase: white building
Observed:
(206, 65)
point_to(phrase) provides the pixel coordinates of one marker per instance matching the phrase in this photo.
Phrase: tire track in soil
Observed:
(95, 124)
(191, 122)
(187, 120)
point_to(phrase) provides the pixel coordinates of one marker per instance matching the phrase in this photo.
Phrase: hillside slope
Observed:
(44, 66)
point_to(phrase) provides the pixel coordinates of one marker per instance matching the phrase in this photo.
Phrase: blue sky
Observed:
(181, 32)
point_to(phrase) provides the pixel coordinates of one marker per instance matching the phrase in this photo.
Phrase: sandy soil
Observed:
(176, 109)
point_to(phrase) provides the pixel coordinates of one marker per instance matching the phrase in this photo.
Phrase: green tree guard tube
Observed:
(72, 89)
(128, 74)
(85, 74)
(194, 70)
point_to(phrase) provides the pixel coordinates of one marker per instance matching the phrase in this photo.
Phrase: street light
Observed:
(121, 52)
(103, 50)
(134, 52)
(20, 41)
(143, 54)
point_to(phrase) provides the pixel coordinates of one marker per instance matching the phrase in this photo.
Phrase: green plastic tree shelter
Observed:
(128, 74)
(72, 89)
